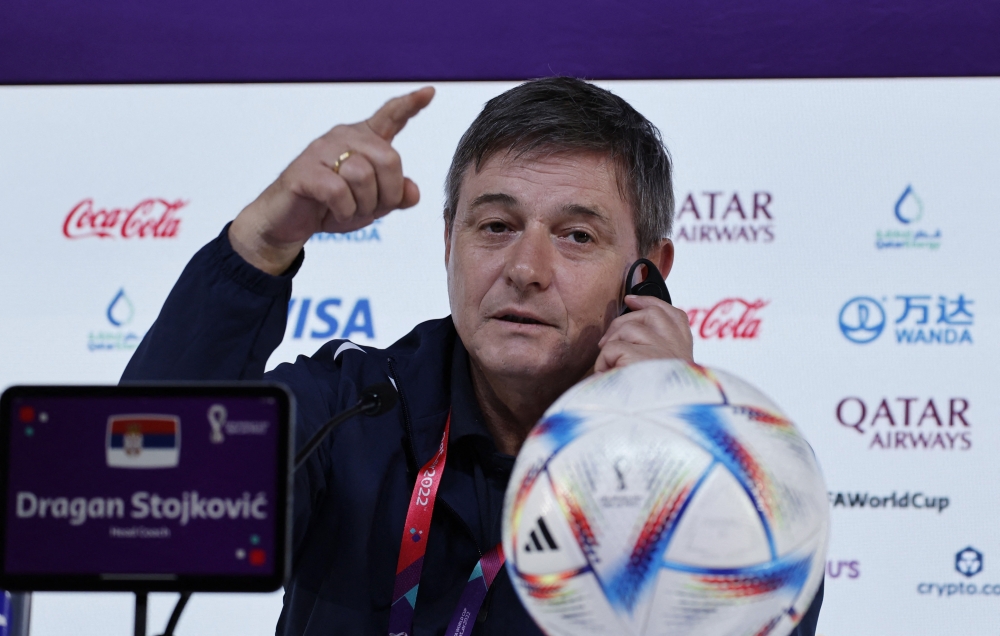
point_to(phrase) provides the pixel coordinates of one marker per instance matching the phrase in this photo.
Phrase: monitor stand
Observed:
(141, 599)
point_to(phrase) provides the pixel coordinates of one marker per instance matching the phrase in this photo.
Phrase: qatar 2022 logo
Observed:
(909, 232)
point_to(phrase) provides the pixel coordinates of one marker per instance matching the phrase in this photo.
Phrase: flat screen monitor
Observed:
(180, 487)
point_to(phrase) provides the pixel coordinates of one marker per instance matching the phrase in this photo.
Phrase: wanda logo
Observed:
(150, 218)
(730, 318)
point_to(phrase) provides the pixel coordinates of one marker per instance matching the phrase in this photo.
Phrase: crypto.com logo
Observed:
(862, 319)
(969, 562)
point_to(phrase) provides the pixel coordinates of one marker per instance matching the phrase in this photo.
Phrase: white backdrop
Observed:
(812, 215)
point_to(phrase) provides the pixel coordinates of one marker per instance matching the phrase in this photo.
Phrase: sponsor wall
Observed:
(835, 246)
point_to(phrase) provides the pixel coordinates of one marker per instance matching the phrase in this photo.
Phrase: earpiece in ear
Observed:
(644, 279)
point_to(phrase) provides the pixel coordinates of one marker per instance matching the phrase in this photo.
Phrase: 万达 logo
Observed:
(863, 319)
(366, 234)
(969, 561)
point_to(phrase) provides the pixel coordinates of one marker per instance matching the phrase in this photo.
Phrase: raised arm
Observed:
(341, 182)
(227, 312)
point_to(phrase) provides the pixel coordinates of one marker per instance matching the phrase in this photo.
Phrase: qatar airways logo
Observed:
(719, 216)
(731, 318)
(908, 423)
(150, 218)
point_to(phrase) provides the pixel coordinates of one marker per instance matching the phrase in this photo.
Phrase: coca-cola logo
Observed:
(150, 218)
(734, 318)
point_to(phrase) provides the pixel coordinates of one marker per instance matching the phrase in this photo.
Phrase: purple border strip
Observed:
(151, 41)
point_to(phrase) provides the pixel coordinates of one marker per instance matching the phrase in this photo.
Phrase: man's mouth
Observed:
(521, 320)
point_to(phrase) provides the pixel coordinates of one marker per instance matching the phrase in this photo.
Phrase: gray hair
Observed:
(558, 114)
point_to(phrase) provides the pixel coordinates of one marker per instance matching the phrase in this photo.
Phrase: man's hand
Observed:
(652, 330)
(309, 196)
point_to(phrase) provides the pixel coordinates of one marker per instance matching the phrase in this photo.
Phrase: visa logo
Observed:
(143, 441)
(318, 318)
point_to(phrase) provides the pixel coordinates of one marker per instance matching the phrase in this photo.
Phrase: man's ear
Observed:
(663, 256)
(447, 242)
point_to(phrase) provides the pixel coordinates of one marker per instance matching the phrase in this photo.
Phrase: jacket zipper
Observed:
(411, 456)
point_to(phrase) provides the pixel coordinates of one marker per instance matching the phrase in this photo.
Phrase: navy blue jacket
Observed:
(222, 320)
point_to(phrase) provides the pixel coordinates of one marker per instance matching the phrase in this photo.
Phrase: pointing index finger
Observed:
(390, 119)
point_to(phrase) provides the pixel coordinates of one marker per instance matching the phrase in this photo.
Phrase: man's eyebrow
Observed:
(581, 210)
(499, 198)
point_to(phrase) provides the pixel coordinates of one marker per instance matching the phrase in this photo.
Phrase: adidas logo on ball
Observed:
(539, 534)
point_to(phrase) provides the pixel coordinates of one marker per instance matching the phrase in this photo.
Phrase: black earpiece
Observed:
(652, 284)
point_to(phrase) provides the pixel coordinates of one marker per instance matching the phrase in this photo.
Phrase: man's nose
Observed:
(530, 260)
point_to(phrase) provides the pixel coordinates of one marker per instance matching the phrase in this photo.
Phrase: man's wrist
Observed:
(249, 242)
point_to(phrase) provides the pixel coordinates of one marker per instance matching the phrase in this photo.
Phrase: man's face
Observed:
(536, 257)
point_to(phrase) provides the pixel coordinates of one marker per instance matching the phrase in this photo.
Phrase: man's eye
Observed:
(496, 227)
(581, 237)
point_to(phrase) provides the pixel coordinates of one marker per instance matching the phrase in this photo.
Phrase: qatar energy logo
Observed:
(143, 441)
(907, 234)
(119, 337)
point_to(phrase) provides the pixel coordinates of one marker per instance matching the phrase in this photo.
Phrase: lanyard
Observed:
(414, 547)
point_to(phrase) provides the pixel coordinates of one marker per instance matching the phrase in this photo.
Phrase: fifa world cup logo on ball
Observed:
(217, 419)
(132, 440)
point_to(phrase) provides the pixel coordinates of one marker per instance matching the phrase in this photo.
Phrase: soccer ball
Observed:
(665, 498)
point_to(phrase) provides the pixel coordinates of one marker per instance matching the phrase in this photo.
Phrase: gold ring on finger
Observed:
(340, 160)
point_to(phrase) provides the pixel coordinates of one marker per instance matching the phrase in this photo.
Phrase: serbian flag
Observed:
(144, 441)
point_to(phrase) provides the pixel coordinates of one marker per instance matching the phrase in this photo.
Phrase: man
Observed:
(555, 189)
